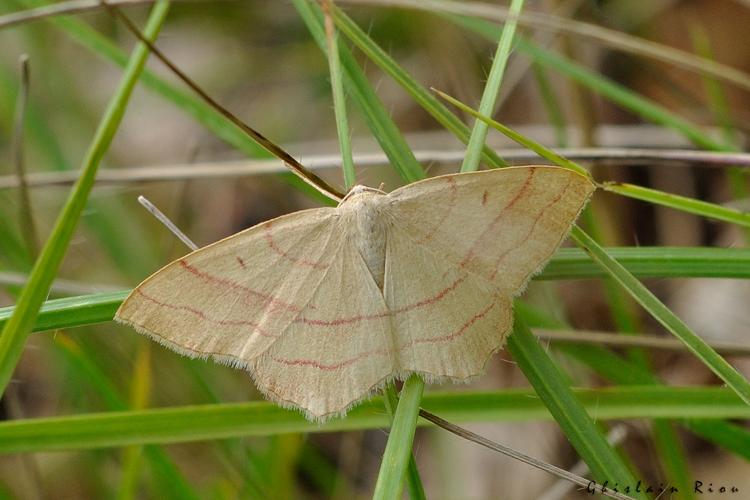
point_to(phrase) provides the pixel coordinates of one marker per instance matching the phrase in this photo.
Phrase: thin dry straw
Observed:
(66, 8)
(650, 341)
(562, 473)
(210, 170)
(562, 488)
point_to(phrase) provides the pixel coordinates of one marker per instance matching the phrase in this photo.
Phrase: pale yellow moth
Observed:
(324, 306)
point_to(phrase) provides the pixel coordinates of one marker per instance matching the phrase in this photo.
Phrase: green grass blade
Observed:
(25, 214)
(717, 100)
(72, 311)
(616, 369)
(323, 474)
(170, 481)
(140, 390)
(667, 445)
(13, 336)
(613, 367)
(654, 262)
(576, 424)
(39, 134)
(731, 436)
(183, 99)
(549, 101)
(663, 315)
(601, 85)
(509, 132)
(489, 96)
(132, 458)
(339, 100)
(375, 114)
(623, 96)
(104, 218)
(88, 370)
(672, 455)
(588, 32)
(220, 421)
(397, 453)
(13, 253)
(720, 110)
(420, 94)
(689, 205)
(113, 226)
(413, 480)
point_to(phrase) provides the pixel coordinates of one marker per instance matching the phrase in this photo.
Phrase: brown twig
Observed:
(296, 167)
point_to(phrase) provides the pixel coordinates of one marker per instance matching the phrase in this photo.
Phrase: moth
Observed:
(324, 306)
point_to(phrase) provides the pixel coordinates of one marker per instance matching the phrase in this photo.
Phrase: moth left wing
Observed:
(233, 299)
(290, 299)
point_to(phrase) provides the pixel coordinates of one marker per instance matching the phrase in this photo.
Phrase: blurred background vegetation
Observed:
(259, 60)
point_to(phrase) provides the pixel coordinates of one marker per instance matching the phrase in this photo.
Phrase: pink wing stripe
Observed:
(458, 333)
(355, 319)
(549, 204)
(332, 366)
(268, 234)
(209, 278)
(385, 352)
(454, 191)
(499, 216)
(319, 322)
(203, 316)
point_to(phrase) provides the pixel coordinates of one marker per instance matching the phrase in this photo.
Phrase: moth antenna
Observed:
(295, 166)
(544, 466)
(167, 222)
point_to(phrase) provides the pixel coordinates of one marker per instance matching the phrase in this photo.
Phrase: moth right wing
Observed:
(447, 321)
(501, 225)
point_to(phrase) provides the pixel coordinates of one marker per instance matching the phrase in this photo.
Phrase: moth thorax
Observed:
(369, 232)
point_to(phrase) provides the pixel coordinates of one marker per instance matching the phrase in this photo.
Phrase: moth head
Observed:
(360, 190)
